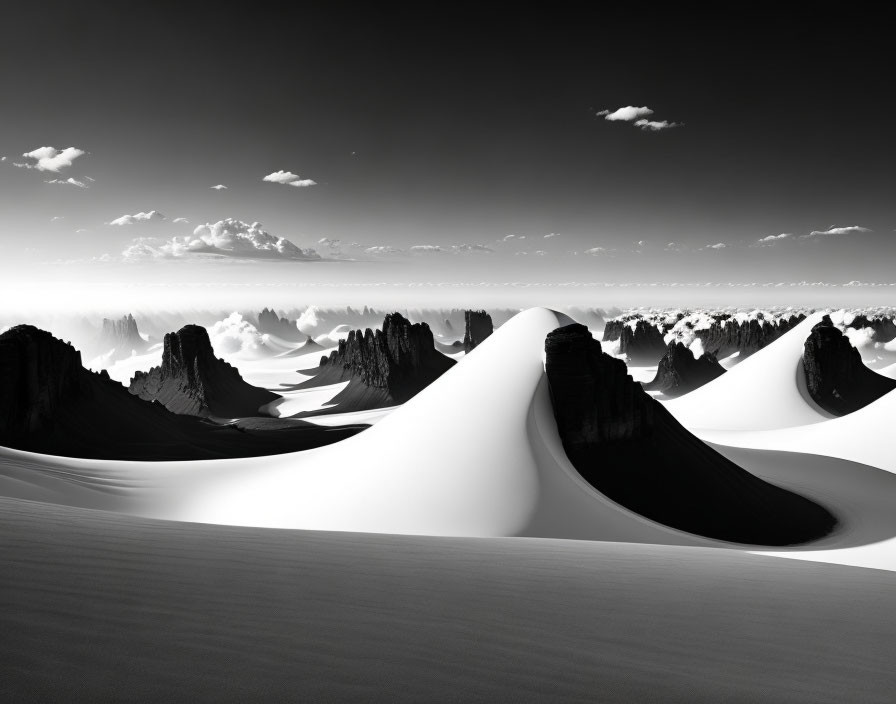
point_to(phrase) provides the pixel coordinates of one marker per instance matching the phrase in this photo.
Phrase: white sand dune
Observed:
(475, 454)
(763, 392)
(106, 607)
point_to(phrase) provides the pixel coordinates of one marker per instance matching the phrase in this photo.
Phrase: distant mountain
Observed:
(836, 377)
(679, 372)
(192, 381)
(629, 447)
(269, 323)
(883, 326)
(49, 403)
(384, 367)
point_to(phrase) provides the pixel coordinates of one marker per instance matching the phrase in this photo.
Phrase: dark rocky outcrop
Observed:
(727, 335)
(383, 367)
(192, 381)
(49, 403)
(307, 347)
(269, 323)
(628, 446)
(836, 378)
(642, 343)
(884, 328)
(478, 327)
(679, 373)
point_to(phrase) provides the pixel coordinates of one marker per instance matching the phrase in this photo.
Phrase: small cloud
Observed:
(382, 250)
(180, 221)
(538, 253)
(68, 182)
(717, 245)
(426, 249)
(551, 234)
(596, 251)
(57, 217)
(833, 231)
(507, 238)
(137, 217)
(81, 230)
(2, 158)
(771, 240)
(652, 126)
(220, 187)
(626, 114)
(51, 159)
(673, 247)
(471, 249)
(287, 178)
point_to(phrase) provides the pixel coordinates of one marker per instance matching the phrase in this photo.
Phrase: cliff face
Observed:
(725, 337)
(384, 367)
(679, 373)
(478, 327)
(50, 404)
(192, 381)
(642, 343)
(628, 446)
(38, 375)
(836, 377)
(269, 323)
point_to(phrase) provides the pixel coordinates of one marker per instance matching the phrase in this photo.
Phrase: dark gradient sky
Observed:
(466, 125)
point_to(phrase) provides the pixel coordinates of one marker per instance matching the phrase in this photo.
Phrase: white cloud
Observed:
(226, 239)
(426, 249)
(287, 178)
(717, 245)
(596, 251)
(68, 182)
(51, 159)
(234, 335)
(831, 231)
(551, 234)
(655, 126)
(219, 187)
(382, 250)
(775, 238)
(137, 217)
(505, 238)
(673, 247)
(626, 114)
(57, 217)
(181, 221)
(81, 230)
(471, 249)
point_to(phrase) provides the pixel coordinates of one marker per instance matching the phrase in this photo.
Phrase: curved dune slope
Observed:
(763, 392)
(477, 453)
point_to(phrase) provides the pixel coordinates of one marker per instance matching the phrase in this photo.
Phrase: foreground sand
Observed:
(101, 606)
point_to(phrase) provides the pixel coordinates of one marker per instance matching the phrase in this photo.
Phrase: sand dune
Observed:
(101, 607)
(496, 468)
(763, 392)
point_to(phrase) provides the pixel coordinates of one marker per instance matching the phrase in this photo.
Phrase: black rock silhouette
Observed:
(628, 446)
(478, 327)
(679, 372)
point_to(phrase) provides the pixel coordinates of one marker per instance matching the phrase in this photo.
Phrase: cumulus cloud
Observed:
(626, 114)
(717, 245)
(50, 158)
(152, 215)
(181, 221)
(228, 238)
(832, 231)
(595, 251)
(551, 234)
(68, 182)
(655, 126)
(220, 187)
(235, 336)
(287, 178)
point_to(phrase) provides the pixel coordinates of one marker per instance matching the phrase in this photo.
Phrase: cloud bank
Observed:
(230, 239)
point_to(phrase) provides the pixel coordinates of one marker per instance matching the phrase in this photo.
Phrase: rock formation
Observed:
(51, 404)
(642, 343)
(728, 335)
(121, 335)
(383, 367)
(269, 323)
(679, 372)
(628, 446)
(884, 328)
(192, 381)
(478, 327)
(836, 378)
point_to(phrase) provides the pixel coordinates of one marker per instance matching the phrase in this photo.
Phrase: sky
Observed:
(189, 153)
